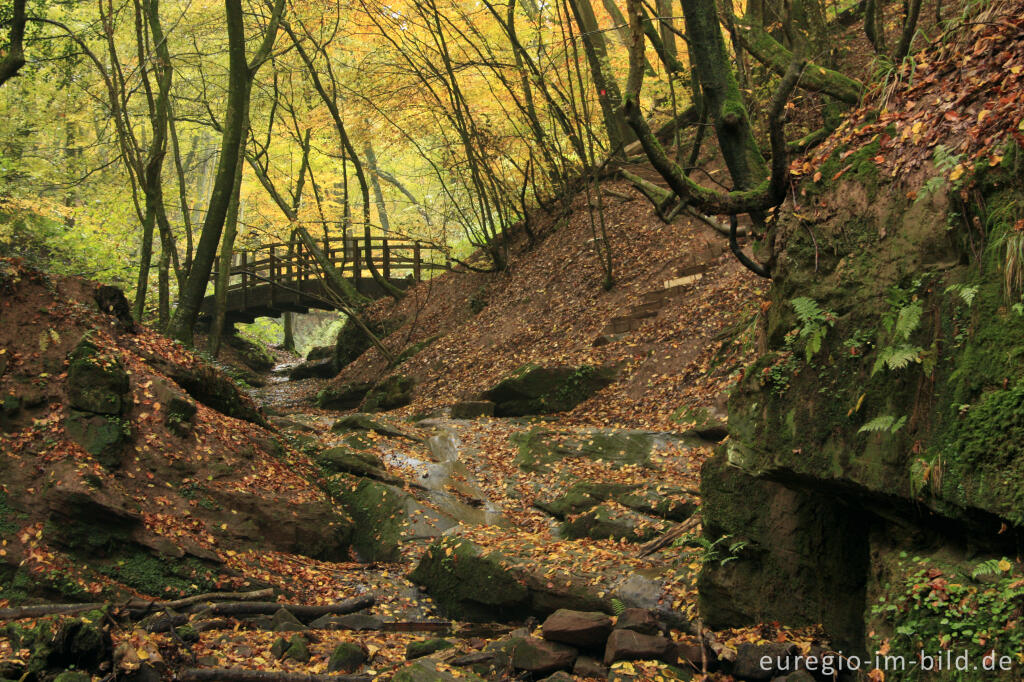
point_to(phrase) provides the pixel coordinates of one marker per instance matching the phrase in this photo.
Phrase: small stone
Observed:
(347, 657)
(627, 645)
(638, 620)
(419, 649)
(284, 621)
(278, 648)
(298, 649)
(578, 628)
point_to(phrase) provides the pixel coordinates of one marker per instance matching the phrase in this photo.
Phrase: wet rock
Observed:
(533, 389)
(391, 393)
(540, 657)
(347, 657)
(612, 521)
(313, 369)
(626, 645)
(89, 521)
(579, 628)
(426, 647)
(471, 409)
(289, 424)
(638, 620)
(582, 496)
(343, 397)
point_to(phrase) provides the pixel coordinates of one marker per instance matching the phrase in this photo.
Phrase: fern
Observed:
(617, 607)
(990, 567)
(807, 309)
(966, 293)
(814, 324)
(885, 422)
(907, 320)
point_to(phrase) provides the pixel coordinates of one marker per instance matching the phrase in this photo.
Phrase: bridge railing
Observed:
(291, 265)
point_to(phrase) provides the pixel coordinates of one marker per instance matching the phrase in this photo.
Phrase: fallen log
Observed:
(195, 599)
(670, 535)
(47, 610)
(269, 608)
(241, 675)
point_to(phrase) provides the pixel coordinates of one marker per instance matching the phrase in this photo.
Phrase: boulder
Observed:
(298, 650)
(102, 436)
(426, 671)
(181, 414)
(541, 657)
(343, 397)
(319, 353)
(285, 621)
(341, 459)
(384, 516)
(540, 447)
(471, 409)
(533, 389)
(426, 647)
(96, 382)
(764, 661)
(612, 521)
(390, 393)
(469, 583)
(364, 422)
(638, 620)
(582, 629)
(347, 657)
(254, 355)
(313, 529)
(627, 645)
(313, 369)
(585, 666)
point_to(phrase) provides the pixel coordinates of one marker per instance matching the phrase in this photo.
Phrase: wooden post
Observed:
(245, 280)
(357, 262)
(385, 254)
(273, 272)
(417, 269)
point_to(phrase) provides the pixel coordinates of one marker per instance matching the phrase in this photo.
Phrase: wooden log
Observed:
(142, 604)
(46, 610)
(271, 607)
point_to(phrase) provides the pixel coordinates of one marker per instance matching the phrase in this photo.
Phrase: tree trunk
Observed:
(15, 57)
(227, 247)
(240, 75)
(722, 95)
(289, 332)
(378, 195)
(608, 95)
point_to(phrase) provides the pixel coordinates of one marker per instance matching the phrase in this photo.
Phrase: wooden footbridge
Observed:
(280, 278)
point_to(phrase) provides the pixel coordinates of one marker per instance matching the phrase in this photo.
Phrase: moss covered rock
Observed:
(96, 382)
(533, 389)
(343, 397)
(347, 657)
(470, 583)
(341, 459)
(614, 522)
(102, 436)
(390, 393)
(255, 356)
(426, 647)
(539, 447)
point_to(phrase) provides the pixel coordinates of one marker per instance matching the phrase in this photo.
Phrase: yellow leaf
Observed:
(956, 173)
(1004, 565)
(142, 654)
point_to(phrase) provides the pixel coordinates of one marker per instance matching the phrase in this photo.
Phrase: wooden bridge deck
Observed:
(280, 278)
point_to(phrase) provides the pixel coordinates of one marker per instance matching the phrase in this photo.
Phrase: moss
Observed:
(159, 576)
(540, 447)
(378, 511)
(426, 647)
(532, 389)
(96, 382)
(346, 658)
(9, 518)
(414, 349)
(858, 167)
(470, 584)
(253, 354)
(392, 392)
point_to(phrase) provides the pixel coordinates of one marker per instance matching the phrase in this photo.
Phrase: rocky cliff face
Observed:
(877, 444)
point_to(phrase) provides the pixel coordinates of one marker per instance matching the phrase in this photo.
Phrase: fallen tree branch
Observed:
(47, 610)
(241, 675)
(269, 608)
(139, 604)
(670, 536)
